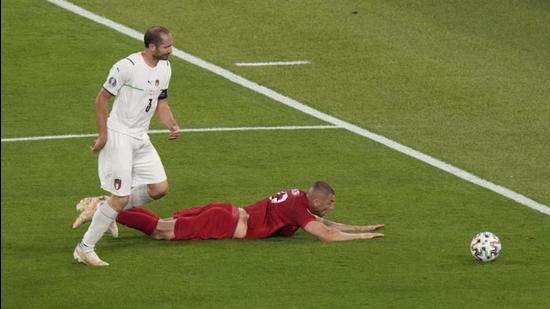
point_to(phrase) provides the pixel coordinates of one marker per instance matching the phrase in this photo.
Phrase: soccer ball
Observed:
(485, 247)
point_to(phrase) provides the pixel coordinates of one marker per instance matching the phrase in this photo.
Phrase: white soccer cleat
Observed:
(88, 257)
(87, 207)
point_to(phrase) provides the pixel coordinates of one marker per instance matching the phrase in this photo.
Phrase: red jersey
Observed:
(281, 214)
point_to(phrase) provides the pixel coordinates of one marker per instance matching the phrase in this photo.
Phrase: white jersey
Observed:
(136, 87)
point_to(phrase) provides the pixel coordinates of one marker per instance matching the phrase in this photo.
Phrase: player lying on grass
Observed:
(279, 215)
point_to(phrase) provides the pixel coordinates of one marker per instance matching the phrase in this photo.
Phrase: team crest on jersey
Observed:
(112, 81)
(157, 82)
(295, 192)
(118, 183)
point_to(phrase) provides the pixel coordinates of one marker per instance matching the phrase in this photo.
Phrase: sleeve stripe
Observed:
(130, 61)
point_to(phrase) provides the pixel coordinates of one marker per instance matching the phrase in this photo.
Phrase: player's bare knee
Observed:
(157, 191)
(160, 235)
(164, 229)
(242, 224)
(118, 202)
(243, 215)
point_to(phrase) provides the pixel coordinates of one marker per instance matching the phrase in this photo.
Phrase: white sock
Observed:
(101, 220)
(138, 197)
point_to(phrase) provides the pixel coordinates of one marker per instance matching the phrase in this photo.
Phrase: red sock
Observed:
(144, 211)
(139, 220)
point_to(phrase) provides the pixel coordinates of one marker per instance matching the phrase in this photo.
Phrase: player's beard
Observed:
(318, 213)
(162, 56)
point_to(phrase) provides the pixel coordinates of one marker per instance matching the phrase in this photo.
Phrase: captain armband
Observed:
(163, 94)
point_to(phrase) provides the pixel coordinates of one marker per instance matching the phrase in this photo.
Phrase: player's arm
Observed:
(118, 75)
(347, 227)
(329, 234)
(101, 113)
(167, 118)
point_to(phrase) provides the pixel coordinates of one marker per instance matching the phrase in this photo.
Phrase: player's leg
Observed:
(139, 196)
(217, 221)
(164, 229)
(103, 218)
(242, 224)
(148, 222)
(194, 211)
(158, 190)
(115, 172)
(143, 194)
(149, 180)
(139, 219)
(144, 211)
(87, 208)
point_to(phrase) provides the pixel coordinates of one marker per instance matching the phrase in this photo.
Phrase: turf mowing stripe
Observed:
(67, 136)
(315, 113)
(262, 64)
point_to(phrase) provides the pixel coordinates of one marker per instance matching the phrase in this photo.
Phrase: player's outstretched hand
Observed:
(370, 228)
(175, 132)
(371, 235)
(99, 144)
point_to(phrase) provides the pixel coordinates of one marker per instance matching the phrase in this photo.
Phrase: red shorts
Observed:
(213, 221)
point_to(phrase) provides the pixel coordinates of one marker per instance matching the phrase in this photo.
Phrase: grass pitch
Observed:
(462, 81)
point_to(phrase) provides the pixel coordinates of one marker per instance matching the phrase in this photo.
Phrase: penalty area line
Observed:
(197, 130)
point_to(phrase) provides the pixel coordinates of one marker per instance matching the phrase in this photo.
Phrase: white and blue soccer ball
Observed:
(485, 247)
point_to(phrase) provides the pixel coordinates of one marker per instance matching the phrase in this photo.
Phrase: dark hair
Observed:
(322, 187)
(152, 35)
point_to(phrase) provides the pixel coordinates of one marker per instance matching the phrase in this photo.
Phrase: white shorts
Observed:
(126, 162)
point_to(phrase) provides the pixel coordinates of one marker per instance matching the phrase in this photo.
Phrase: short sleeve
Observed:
(118, 76)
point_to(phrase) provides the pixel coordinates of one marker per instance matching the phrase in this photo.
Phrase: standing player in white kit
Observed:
(129, 166)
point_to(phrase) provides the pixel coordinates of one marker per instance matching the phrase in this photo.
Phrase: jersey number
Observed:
(148, 108)
(279, 197)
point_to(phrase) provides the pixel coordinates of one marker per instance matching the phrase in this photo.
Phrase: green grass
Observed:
(463, 81)
(60, 73)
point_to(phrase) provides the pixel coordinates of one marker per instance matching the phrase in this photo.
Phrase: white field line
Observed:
(263, 64)
(67, 136)
(315, 113)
